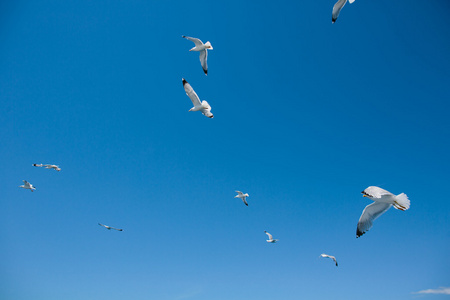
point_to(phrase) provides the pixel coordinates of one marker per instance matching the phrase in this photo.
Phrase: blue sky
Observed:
(306, 115)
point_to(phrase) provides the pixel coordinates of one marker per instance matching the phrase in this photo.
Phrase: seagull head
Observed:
(365, 194)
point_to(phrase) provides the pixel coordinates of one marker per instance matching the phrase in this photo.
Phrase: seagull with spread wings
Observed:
(383, 201)
(28, 186)
(203, 49)
(330, 256)
(54, 167)
(203, 106)
(270, 240)
(242, 196)
(109, 227)
(337, 9)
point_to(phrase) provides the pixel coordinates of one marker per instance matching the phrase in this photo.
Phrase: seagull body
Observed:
(27, 185)
(242, 196)
(203, 49)
(337, 9)
(203, 106)
(383, 201)
(270, 240)
(109, 227)
(54, 167)
(330, 256)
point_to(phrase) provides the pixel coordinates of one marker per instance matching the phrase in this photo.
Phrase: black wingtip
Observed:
(206, 72)
(333, 20)
(359, 233)
(184, 81)
(183, 36)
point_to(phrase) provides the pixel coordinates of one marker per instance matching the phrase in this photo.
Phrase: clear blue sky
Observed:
(306, 115)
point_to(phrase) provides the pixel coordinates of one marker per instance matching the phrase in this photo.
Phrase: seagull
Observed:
(199, 46)
(242, 196)
(54, 167)
(330, 256)
(383, 201)
(270, 240)
(337, 9)
(109, 227)
(203, 106)
(27, 186)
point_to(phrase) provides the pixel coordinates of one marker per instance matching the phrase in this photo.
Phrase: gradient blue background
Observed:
(307, 115)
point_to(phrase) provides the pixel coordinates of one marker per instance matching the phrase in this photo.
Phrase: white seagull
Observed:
(54, 167)
(27, 186)
(383, 201)
(203, 106)
(109, 227)
(330, 256)
(242, 196)
(270, 240)
(337, 9)
(202, 48)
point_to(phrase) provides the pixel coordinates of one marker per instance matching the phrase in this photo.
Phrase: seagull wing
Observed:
(269, 235)
(118, 229)
(376, 192)
(240, 193)
(245, 201)
(337, 9)
(191, 93)
(196, 41)
(370, 213)
(203, 58)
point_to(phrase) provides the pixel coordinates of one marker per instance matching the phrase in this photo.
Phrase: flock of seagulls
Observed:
(383, 200)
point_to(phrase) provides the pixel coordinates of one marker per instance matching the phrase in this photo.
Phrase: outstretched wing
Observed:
(337, 9)
(196, 41)
(203, 58)
(118, 229)
(376, 192)
(370, 213)
(269, 235)
(191, 93)
(240, 193)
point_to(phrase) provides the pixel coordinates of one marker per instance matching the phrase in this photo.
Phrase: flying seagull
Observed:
(203, 106)
(242, 196)
(270, 240)
(330, 256)
(54, 167)
(383, 201)
(27, 185)
(109, 227)
(337, 9)
(202, 48)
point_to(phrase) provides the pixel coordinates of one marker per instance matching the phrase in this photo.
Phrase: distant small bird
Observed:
(270, 240)
(203, 106)
(242, 196)
(109, 227)
(330, 256)
(27, 186)
(203, 49)
(383, 201)
(54, 167)
(337, 9)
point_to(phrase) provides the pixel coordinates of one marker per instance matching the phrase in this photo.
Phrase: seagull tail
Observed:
(401, 202)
